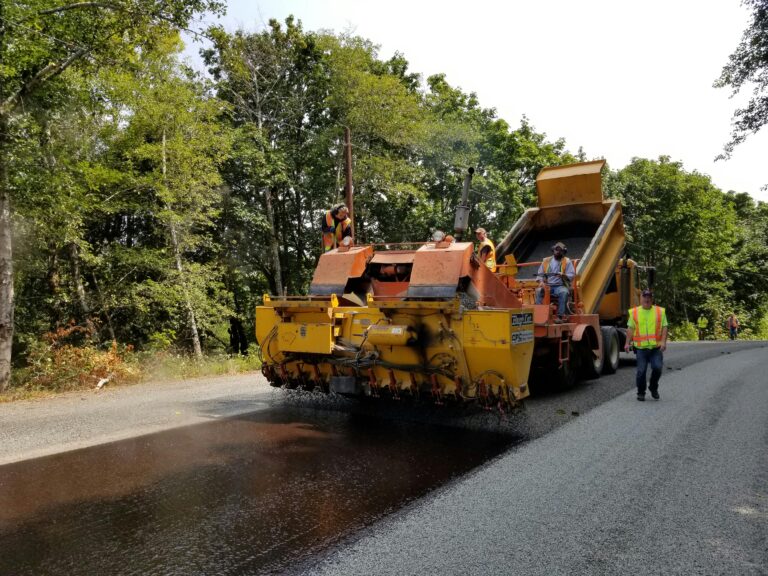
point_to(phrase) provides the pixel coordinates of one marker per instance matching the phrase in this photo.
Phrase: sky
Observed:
(620, 79)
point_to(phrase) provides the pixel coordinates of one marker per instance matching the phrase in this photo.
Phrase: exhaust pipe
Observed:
(461, 222)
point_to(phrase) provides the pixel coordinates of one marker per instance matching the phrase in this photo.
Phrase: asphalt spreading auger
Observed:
(430, 322)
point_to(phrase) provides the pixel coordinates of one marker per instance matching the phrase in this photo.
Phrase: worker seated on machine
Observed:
(558, 273)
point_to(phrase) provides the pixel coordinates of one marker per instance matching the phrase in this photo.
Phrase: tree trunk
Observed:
(53, 279)
(191, 320)
(104, 308)
(77, 281)
(273, 243)
(6, 262)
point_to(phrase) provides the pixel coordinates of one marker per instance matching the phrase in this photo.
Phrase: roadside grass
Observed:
(688, 332)
(53, 368)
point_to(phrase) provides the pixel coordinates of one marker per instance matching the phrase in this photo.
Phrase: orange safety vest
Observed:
(338, 232)
(490, 262)
(563, 265)
(654, 338)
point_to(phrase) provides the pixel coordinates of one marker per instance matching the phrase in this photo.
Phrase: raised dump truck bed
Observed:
(571, 209)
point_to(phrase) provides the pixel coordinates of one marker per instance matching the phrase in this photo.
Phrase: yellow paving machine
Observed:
(430, 321)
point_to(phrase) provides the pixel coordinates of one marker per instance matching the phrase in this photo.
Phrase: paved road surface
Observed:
(678, 486)
(596, 482)
(34, 428)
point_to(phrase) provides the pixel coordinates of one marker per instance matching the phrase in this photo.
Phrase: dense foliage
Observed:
(748, 68)
(153, 206)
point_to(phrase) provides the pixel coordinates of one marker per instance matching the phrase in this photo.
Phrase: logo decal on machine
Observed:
(522, 319)
(522, 337)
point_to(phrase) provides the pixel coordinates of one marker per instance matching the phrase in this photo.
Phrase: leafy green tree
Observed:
(39, 41)
(747, 265)
(170, 151)
(680, 223)
(748, 67)
(507, 161)
(276, 84)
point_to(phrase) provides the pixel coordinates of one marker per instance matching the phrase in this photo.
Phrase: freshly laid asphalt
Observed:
(678, 486)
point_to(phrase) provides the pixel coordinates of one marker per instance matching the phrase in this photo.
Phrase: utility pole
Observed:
(348, 188)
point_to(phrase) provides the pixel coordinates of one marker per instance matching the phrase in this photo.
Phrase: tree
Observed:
(680, 223)
(39, 41)
(276, 84)
(170, 152)
(748, 66)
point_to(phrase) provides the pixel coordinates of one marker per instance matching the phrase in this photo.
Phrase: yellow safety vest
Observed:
(491, 260)
(563, 265)
(339, 231)
(641, 337)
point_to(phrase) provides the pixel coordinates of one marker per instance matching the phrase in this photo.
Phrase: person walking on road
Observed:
(733, 326)
(647, 329)
(702, 324)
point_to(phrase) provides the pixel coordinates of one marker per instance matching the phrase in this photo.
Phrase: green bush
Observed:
(683, 331)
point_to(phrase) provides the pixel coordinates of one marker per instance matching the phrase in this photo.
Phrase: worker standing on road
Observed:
(336, 226)
(558, 272)
(702, 324)
(733, 326)
(647, 332)
(486, 251)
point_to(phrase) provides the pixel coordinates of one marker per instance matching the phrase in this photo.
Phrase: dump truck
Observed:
(429, 321)
(571, 209)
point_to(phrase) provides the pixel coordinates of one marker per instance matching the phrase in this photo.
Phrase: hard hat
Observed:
(481, 231)
(562, 247)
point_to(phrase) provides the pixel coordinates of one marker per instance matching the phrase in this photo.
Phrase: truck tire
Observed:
(591, 365)
(610, 349)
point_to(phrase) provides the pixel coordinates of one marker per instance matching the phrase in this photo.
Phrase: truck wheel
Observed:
(610, 349)
(591, 364)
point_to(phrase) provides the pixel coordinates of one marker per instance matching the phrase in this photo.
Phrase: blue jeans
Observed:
(561, 292)
(655, 358)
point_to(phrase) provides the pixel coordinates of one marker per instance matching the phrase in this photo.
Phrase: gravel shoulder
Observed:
(34, 428)
(678, 486)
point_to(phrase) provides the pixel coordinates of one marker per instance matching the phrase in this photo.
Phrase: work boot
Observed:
(655, 394)
(641, 397)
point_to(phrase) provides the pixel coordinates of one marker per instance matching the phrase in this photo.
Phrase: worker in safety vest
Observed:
(336, 226)
(733, 326)
(486, 251)
(557, 272)
(702, 324)
(647, 332)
